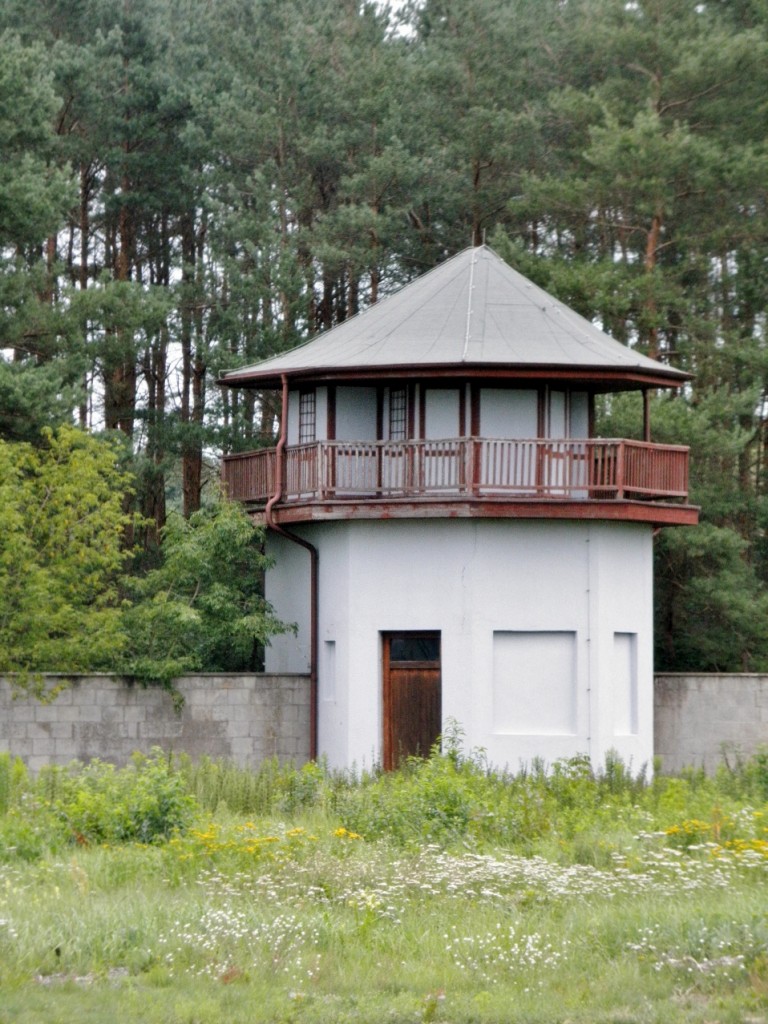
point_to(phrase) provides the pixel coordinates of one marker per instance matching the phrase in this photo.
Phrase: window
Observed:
(398, 414)
(412, 647)
(307, 417)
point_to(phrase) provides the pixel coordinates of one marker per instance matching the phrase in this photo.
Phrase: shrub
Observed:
(145, 802)
(446, 798)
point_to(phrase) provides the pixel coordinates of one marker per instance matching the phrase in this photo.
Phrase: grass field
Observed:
(446, 892)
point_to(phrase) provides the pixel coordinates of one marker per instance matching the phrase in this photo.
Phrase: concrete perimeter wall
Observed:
(699, 717)
(247, 718)
(242, 718)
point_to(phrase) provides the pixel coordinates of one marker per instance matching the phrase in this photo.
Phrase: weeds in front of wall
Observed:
(445, 891)
(448, 798)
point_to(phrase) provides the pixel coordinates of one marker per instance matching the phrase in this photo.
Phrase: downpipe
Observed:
(272, 524)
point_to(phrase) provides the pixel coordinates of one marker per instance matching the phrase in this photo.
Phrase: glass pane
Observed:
(414, 648)
(307, 417)
(398, 412)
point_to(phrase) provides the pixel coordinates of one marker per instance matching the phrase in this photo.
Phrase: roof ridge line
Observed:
(472, 263)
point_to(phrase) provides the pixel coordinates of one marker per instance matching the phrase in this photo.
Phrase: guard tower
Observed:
(451, 538)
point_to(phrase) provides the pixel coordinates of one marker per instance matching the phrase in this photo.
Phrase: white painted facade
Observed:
(545, 629)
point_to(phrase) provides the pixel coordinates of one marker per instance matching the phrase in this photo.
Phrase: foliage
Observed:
(711, 611)
(32, 397)
(650, 910)
(61, 553)
(40, 387)
(97, 803)
(187, 187)
(34, 193)
(270, 789)
(202, 608)
(13, 781)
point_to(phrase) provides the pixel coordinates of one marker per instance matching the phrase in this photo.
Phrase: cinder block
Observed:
(239, 729)
(62, 730)
(237, 696)
(71, 714)
(66, 696)
(241, 747)
(38, 730)
(202, 697)
(135, 713)
(46, 713)
(44, 747)
(108, 697)
(157, 729)
(221, 713)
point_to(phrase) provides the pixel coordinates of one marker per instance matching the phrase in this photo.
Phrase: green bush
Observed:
(451, 797)
(145, 802)
(444, 799)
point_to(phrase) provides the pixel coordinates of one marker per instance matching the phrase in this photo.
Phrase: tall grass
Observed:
(448, 798)
(447, 891)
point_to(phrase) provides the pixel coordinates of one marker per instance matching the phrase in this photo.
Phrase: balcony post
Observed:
(475, 466)
(321, 468)
(620, 470)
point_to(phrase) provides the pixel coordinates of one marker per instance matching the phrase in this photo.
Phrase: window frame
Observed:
(307, 416)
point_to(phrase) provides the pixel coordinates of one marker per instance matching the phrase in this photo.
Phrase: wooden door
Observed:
(412, 700)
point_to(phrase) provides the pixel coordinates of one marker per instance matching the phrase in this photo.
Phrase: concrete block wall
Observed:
(242, 718)
(698, 717)
(247, 718)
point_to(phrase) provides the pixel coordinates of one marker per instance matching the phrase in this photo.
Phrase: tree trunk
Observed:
(651, 253)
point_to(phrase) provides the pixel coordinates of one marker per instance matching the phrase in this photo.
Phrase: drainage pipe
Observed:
(272, 524)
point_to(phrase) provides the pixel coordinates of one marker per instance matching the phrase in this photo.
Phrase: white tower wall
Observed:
(545, 626)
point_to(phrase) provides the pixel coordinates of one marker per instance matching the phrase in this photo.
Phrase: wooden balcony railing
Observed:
(466, 467)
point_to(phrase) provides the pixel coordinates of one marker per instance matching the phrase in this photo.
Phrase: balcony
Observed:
(445, 473)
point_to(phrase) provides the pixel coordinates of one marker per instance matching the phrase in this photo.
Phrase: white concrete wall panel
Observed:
(534, 683)
(579, 426)
(321, 412)
(441, 413)
(287, 590)
(355, 414)
(334, 626)
(624, 684)
(292, 434)
(621, 601)
(557, 424)
(509, 413)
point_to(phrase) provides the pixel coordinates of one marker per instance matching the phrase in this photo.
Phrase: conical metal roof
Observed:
(471, 315)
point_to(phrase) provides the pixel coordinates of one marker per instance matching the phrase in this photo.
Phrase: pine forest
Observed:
(188, 186)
